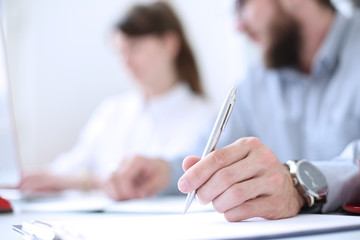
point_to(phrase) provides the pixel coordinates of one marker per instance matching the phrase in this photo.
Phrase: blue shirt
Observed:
(312, 116)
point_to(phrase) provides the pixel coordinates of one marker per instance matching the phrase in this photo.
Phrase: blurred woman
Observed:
(133, 133)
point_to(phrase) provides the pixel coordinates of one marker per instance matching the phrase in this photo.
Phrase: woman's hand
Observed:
(138, 177)
(45, 181)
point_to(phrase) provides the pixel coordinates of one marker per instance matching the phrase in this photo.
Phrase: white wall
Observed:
(62, 63)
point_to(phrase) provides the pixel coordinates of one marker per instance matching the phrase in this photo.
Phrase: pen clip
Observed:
(228, 111)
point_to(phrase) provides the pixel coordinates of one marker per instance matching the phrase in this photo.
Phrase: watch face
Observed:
(312, 179)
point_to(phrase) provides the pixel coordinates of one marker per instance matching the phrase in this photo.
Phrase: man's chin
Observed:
(255, 38)
(280, 56)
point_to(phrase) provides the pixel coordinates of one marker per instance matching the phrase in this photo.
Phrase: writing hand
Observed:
(243, 180)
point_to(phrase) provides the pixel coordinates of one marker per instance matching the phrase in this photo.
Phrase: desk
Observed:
(116, 225)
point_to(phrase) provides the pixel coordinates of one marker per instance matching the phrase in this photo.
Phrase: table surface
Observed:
(7, 220)
(18, 217)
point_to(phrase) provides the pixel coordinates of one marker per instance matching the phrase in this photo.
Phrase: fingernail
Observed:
(183, 185)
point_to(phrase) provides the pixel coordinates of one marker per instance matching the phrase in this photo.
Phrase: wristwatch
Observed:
(309, 181)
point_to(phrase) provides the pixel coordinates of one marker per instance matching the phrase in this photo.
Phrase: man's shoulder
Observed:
(354, 31)
(356, 16)
(349, 56)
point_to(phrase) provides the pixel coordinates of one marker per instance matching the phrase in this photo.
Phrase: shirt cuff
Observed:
(343, 183)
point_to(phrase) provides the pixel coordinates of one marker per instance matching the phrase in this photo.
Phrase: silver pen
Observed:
(218, 128)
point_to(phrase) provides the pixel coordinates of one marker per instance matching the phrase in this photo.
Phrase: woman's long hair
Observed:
(158, 18)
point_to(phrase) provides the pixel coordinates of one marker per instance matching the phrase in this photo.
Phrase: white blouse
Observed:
(164, 127)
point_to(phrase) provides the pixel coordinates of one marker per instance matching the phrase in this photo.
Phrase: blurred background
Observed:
(62, 62)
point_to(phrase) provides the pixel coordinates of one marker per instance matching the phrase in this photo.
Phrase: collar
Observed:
(327, 57)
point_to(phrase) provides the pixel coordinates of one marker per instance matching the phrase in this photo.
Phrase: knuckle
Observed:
(267, 158)
(194, 179)
(253, 141)
(220, 157)
(225, 177)
(195, 176)
(229, 217)
(218, 207)
(238, 214)
(117, 176)
(237, 193)
(137, 160)
(277, 180)
(203, 196)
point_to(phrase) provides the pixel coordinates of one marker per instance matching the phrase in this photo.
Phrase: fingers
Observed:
(198, 174)
(243, 180)
(259, 207)
(271, 195)
(149, 187)
(139, 177)
(157, 177)
(240, 193)
(114, 190)
(225, 178)
(36, 182)
(267, 206)
(189, 162)
(128, 177)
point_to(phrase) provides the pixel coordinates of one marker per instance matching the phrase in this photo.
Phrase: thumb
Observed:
(189, 162)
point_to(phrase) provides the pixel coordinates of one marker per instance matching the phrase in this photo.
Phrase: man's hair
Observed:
(326, 3)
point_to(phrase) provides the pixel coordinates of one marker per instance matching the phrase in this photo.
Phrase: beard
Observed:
(285, 44)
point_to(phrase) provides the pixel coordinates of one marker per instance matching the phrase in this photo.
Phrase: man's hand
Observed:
(138, 177)
(243, 180)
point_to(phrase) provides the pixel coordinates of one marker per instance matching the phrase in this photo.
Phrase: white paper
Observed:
(74, 201)
(163, 205)
(163, 218)
(205, 225)
(70, 201)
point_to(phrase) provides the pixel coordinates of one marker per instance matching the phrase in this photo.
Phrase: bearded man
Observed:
(292, 141)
